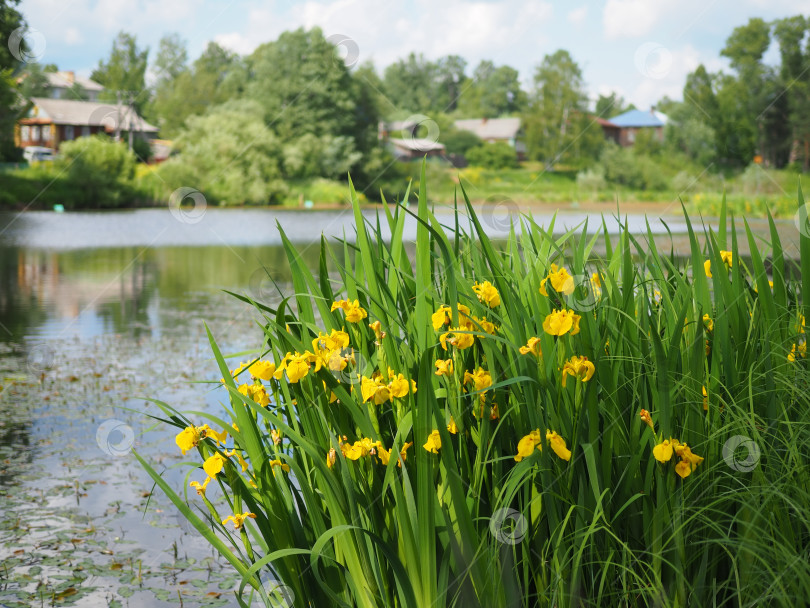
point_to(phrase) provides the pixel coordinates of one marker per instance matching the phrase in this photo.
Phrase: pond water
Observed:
(97, 312)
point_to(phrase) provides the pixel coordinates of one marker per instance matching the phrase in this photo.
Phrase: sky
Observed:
(640, 49)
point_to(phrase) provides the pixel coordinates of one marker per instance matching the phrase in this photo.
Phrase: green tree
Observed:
(611, 105)
(558, 126)
(34, 82)
(181, 91)
(124, 72)
(794, 87)
(305, 88)
(230, 155)
(493, 92)
(10, 20)
(410, 84)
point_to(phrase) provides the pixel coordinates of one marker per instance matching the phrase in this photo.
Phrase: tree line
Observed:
(293, 109)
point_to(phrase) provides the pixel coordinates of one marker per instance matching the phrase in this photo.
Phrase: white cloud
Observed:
(73, 36)
(578, 15)
(630, 18)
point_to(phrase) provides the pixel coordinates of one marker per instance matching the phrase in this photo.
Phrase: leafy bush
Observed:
(592, 179)
(99, 171)
(474, 426)
(230, 155)
(459, 141)
(624, 167)
(498, 155)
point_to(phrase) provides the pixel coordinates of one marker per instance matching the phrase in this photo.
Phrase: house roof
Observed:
(417, 145)
(606, 123)
(491, 128)
(640, 118)
(88, 113)
(68, 79)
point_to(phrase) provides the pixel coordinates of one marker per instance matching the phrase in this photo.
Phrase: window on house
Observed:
(85, 131)
(69, 133)
(631, 136)
(25, 132)
(34, 133)
(57, 93)
(46, 134)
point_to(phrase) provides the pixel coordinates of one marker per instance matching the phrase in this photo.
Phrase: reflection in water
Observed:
(46, 294)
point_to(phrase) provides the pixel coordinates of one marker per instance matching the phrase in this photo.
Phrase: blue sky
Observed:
(642, 49)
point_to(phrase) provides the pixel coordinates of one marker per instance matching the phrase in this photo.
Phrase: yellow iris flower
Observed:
(214, 464)
(579, 367)
(528, 444)
(433, 443)
(533, 346)
(487, 294)
(238, 519)
(561, 281)
(557, 444)
(354, 312)
(560, 322)
(444, 367)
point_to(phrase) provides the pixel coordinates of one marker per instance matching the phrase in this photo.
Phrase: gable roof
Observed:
(640, 118)
(67, 80)
(88, 113)
(491, 128)
(417, 145)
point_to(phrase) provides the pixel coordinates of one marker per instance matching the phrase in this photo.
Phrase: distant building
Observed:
(50, 122)
(624, 128)
(491, 130)
(59, 84)
(414, 148)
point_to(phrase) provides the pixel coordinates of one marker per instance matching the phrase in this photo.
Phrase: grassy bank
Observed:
(517, 426)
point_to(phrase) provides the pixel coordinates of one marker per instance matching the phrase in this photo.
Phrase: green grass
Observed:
(469, 525)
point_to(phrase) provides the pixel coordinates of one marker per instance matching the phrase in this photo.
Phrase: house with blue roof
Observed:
(624, 128)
